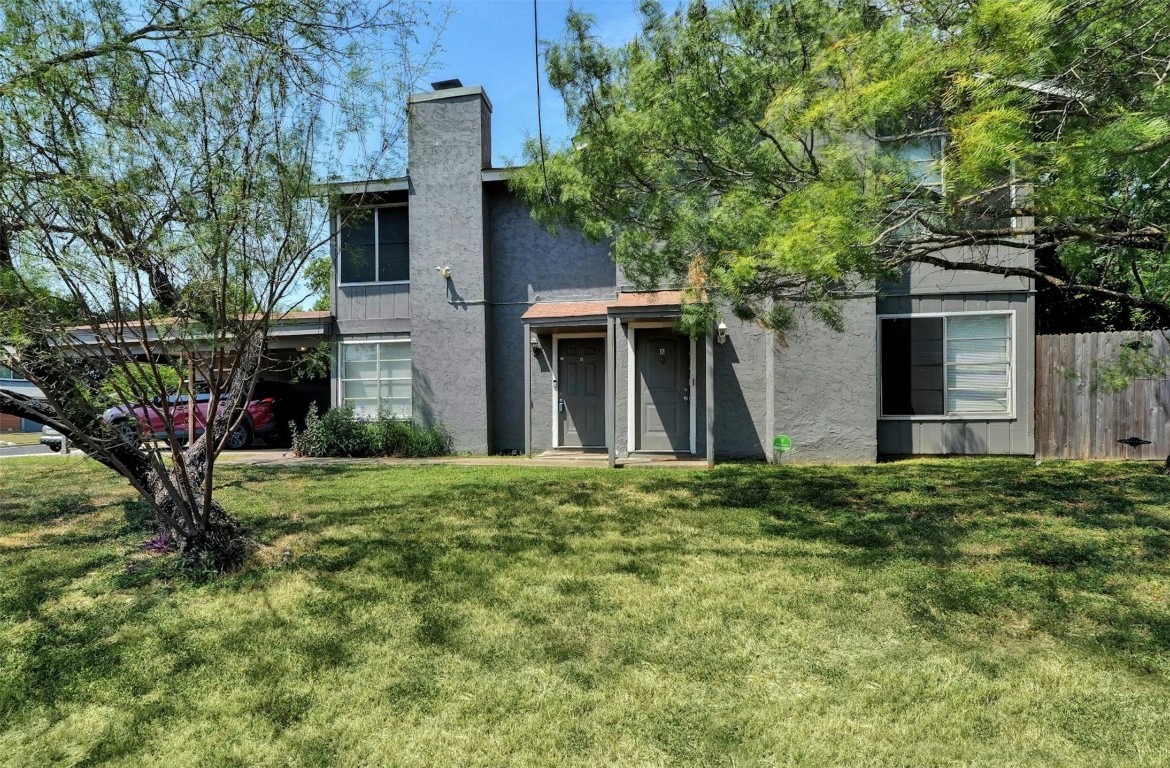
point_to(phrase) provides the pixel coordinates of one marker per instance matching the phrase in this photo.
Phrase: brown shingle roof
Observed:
(565, 310)
(649, 299)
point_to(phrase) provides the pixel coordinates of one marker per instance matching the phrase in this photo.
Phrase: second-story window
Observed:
(373, 245)
(8, 374)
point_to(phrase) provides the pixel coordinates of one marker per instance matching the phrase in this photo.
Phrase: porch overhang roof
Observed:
(627, 304)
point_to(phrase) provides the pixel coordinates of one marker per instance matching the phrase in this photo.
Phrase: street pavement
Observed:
(26, 450)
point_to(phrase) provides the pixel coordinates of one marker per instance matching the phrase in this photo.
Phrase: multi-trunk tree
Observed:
(157, 170)
(778, 154)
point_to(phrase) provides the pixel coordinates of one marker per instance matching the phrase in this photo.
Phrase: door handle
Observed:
(686, 394)
(561, 406)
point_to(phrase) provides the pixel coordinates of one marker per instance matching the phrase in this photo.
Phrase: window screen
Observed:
(375, 378)
(939, 366)
(375, 245)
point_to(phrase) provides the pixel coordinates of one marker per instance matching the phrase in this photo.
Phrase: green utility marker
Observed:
(782, 443)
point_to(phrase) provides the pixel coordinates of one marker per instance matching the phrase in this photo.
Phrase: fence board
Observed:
(1077, 419)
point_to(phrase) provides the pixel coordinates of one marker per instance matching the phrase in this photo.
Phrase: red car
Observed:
(260, 420)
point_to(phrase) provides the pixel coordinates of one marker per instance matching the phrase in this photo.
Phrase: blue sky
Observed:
(490, 43)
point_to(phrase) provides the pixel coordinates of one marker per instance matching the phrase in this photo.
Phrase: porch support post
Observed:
(709, 395)
(610, 383)
(527, 390)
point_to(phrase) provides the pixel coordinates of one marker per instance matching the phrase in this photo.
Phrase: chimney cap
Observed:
(446, 85)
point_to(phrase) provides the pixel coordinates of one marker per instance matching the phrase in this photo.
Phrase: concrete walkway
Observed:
(282, 457)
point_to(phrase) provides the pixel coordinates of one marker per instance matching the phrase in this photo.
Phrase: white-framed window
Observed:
(923, 157)
(373, 245)
(7, 374)
(375, 377)
(947, 365)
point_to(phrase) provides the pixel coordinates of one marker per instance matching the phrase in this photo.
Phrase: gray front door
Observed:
(581, 377)
(663, 362)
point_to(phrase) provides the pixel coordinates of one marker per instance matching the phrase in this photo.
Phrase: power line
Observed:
(539, 123)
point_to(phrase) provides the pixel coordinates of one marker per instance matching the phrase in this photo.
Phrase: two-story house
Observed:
(453, 305)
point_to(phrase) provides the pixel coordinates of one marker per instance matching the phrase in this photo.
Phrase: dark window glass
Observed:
(393, 250)
(8, 373)
(356, 260)
(912, 367)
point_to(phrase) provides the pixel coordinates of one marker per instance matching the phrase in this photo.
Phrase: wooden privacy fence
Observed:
(1077, 419)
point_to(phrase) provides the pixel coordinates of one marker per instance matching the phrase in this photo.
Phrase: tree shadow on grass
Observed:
(956, 540)
(1062, 546)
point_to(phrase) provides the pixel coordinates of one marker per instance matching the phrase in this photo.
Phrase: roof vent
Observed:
(446, 85)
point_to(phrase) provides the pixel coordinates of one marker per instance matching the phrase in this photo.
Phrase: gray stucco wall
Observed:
(825, 388)
(448, 227)
(971, 436)
(529, 265)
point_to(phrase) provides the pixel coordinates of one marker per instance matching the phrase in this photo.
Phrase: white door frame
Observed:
(632, 385)
(556, 381)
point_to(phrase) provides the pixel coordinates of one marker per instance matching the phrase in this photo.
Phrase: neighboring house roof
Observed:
(290, 325)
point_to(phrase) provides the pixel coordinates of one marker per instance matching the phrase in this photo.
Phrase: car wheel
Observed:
(241, 437)
(127, 433)
(54, 447)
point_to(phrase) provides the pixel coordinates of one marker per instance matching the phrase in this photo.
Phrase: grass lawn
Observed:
(20, 438)
(986, 613)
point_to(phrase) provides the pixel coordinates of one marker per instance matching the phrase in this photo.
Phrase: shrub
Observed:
(338, 432)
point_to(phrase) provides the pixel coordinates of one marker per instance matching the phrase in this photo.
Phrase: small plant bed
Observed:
(925, 613)
(338, 433)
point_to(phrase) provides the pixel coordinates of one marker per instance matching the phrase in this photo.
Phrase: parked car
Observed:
(260, 420)
(51, 438)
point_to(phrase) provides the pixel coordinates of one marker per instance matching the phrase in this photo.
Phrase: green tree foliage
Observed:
(317, 275)
(158, 169)
(780, 154)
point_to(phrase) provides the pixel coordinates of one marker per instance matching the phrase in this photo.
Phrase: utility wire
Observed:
(539, 123)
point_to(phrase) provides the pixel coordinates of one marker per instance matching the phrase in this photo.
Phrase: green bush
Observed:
(337, 432)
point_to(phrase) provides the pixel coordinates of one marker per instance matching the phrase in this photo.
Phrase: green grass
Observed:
(986, 613)
(20, 438)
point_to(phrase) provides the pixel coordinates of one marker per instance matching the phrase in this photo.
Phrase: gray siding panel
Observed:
(922, 279)
(372, 302)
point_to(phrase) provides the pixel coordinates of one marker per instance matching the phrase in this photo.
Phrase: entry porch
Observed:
(617, 379)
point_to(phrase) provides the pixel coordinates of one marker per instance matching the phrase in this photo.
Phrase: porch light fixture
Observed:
(444, 272)
(721, 332)
(535, 342)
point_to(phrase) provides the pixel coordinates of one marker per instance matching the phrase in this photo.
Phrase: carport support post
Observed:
(528, 353)
(709, 395)
(610, 427)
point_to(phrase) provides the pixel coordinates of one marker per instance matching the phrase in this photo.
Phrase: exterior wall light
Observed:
(721, 333)
(444, 272)
(535, 342)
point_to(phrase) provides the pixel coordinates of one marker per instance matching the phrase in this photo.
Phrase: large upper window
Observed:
(373, 245)
(947, 365)
(375, 378)
(8, 373)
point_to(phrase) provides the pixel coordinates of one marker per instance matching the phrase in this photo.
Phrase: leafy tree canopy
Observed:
(779, 154)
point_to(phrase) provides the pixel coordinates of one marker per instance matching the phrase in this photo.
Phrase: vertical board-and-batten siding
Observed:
(373, 302)
(1077, 419)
